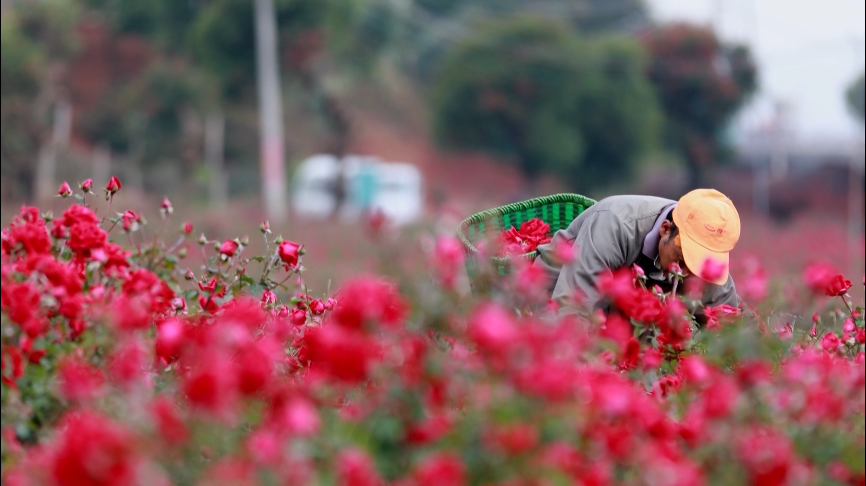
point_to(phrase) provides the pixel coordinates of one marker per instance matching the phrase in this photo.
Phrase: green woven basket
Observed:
(558, 210)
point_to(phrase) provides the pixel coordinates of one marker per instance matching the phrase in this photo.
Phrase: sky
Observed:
(808, 52)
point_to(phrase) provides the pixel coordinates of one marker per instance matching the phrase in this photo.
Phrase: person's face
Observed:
(669, 251)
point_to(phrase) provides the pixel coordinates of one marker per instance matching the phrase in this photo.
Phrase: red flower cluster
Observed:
(669, 316)
(141, 373)
(531, 234)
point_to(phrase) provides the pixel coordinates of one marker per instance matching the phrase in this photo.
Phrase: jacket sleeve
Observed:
(548, 262)
(723, 294)
(599, 246)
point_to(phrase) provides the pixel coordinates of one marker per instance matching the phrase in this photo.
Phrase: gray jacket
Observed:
(607, 236)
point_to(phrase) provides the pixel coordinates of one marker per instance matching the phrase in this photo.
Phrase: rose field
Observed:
(145, 352)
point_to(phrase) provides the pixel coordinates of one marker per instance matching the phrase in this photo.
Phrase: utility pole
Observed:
(271, 147)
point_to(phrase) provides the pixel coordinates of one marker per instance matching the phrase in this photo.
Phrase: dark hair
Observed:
(674, 230)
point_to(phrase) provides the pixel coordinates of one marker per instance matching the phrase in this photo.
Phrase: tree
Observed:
(532, 92)
(37, 39)
(856, 98)
(701, 84)
(436, 23)
(21, 62)
(322, 43)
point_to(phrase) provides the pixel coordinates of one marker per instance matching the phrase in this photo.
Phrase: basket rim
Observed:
(514, 207)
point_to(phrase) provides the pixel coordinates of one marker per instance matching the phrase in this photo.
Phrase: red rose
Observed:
(169, 339)
(254, 364)
(65, 190)
(78, 380)
(87, 185)
(59, 231)
(298, 317)
(268, 297)
(317, 307)
(130, 219)
(534, 227)
(168, 421)
(440, 469)
(289, 252)
(356, 467)
(531, 234)
(32, 236)
(830, 342)
(837, 286)
(712, 270)
(344, 354)
(369, 301)
(113, 185)
(84, 436)
(78, 214)
(211, 386)
(84, 238)
(228, 248)
(818, 276)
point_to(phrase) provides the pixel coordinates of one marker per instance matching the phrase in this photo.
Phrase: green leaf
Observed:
(256, 290)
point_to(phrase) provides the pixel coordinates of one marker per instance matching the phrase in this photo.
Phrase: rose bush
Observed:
(163, 363)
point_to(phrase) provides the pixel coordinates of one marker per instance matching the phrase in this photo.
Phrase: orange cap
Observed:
(709, 227)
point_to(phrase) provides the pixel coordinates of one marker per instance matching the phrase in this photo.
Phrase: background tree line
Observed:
(581, 89)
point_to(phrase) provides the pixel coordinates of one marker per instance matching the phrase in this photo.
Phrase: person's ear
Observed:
(665, 228)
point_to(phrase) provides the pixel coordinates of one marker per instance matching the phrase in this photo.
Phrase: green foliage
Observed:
(146, 116)
(856, 97)
(437, 22)
(529, 89)
(620, 117)
(20, 60)
(223, 38)
(358, 33)
(165, 22)
(50, 24)
(36, 38)
(701, 84)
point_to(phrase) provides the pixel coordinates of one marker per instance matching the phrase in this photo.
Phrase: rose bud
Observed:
(64, 191)
(228, 248)
(113, 186)
(165, 208)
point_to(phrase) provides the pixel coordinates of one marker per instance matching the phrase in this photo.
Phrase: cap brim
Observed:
(695, 255)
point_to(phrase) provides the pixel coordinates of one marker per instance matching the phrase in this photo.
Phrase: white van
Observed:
(395, 189)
